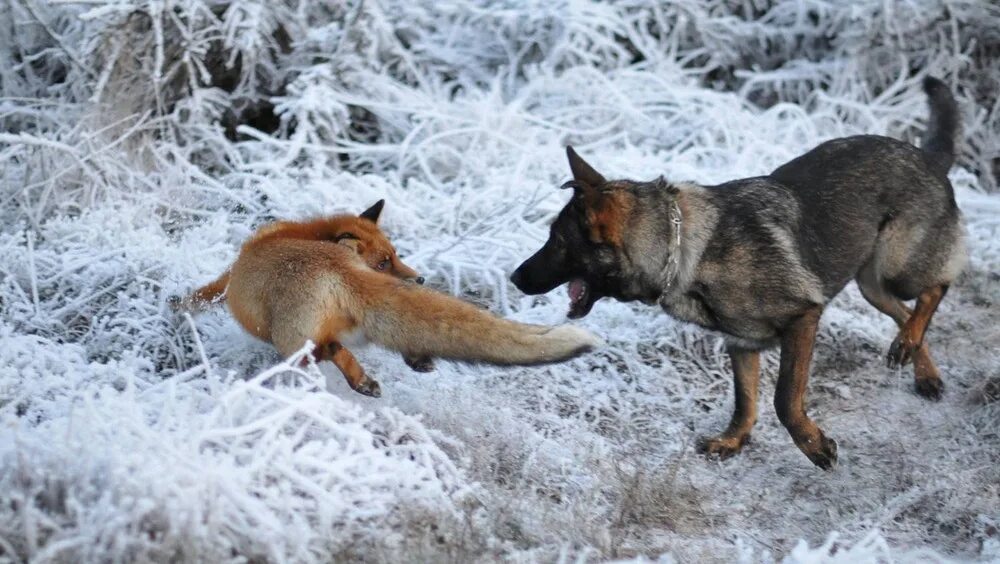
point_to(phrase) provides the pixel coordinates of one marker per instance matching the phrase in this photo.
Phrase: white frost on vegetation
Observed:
(141, 142)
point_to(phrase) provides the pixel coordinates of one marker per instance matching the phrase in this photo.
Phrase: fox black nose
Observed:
(419, 280)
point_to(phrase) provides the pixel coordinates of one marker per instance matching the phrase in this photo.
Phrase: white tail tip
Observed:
(577, 335)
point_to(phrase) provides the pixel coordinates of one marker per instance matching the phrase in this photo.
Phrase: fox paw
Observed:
(369, 387)
(722, 446)
(930, 388)
(176, 304)
(825, 455)
(900, 352)
(420, 363)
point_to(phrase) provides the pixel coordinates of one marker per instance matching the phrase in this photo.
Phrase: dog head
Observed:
(601, 243)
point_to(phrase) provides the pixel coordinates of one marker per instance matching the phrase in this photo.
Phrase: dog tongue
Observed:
(576, 289)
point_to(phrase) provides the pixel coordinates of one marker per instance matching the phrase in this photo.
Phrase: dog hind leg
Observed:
(912, 331)
(927, 378)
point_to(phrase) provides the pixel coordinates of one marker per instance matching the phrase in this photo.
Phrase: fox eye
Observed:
(383, 265)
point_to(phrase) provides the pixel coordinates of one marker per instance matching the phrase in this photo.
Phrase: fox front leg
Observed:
(419, 363)
(348, 365)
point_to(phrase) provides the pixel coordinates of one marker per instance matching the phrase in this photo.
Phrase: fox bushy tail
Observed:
(418, 321)
(203, 298)
(943, 124)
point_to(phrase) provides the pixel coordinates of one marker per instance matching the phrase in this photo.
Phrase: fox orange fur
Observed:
(296, 282)
(360, 232)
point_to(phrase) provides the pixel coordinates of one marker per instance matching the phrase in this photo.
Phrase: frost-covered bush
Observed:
(141, 142)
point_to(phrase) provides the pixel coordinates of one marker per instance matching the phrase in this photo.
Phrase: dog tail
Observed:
(943, 125)
(418, 321)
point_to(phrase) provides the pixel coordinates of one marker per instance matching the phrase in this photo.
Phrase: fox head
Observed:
(362, 234)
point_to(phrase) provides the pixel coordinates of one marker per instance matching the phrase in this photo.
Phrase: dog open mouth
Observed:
(581, 298)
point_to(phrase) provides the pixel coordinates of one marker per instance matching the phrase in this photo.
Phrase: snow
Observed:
(137, 154)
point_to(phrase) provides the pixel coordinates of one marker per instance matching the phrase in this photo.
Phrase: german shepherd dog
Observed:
(757, 259)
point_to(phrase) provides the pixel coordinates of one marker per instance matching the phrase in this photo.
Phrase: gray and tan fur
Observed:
(757, 259)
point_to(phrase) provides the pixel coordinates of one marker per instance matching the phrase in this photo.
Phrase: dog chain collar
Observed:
(672, 269)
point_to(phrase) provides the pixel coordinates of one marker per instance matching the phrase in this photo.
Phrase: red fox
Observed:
(362, 230)
(288, 287)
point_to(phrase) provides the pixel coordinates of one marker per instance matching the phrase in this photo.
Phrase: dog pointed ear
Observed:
(584, 192)
(372, 213)
(583, 172)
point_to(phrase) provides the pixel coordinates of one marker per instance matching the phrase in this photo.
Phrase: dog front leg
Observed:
(797, 343)
(348, 365)
(746, 376)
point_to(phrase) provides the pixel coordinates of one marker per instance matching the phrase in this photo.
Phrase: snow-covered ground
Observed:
(141, 142)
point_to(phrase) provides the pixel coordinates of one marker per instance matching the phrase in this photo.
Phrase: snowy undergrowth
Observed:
(143, 142)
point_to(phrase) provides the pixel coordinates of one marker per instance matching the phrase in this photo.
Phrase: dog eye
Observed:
(382, 265)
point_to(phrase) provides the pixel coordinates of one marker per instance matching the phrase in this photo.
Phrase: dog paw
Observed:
(420, 364)
(369, 387)
(722, 446)
(900, 352)
(825, 455)
(930, 388)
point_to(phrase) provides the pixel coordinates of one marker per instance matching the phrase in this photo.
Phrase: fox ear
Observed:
(349, 240)
(372, 213)
(583, 172)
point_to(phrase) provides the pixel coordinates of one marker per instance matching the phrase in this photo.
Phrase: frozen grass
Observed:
(142, 142)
